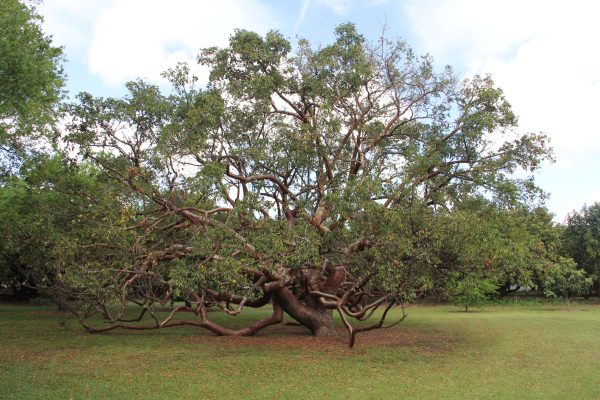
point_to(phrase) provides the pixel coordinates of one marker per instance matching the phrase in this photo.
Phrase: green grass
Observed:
(537, 351)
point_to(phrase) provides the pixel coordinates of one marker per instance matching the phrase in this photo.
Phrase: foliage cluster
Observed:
(581, 241)
(31, 80)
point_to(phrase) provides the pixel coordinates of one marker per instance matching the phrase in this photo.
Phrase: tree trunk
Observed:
(309, 314)
(323, 325)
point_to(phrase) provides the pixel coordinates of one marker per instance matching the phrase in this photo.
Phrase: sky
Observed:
(543, 54)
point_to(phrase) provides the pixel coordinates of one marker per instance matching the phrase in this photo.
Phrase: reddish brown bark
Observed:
(311, 315)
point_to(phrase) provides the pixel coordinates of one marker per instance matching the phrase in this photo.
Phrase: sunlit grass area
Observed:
(509, 351)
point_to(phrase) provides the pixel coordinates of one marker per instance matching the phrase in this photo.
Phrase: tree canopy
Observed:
(31, 80)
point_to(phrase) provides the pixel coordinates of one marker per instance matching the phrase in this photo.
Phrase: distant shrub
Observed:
(567, 282)
(471, 291)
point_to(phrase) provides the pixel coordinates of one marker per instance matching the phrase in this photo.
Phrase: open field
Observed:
(520, 352)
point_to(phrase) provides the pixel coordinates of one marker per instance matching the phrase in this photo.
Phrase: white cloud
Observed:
(301, 14)
(125, 39)
(70, 22)
(542, 53)
(134, 38)
(339, 7)
(592, 198)
(467, 29)
(342, 7)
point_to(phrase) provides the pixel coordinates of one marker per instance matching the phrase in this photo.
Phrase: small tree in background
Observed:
(581, 241)
(471, 291)
(566, 282)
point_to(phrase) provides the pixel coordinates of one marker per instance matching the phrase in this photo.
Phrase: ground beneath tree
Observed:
(299, 338)
(436, 353)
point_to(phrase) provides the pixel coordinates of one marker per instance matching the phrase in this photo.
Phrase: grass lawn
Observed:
(516, 352)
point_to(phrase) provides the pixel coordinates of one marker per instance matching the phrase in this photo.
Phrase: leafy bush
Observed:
(567, 282)
(471, 291)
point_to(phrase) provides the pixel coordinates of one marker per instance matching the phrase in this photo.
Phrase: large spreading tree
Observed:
(316, 180)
